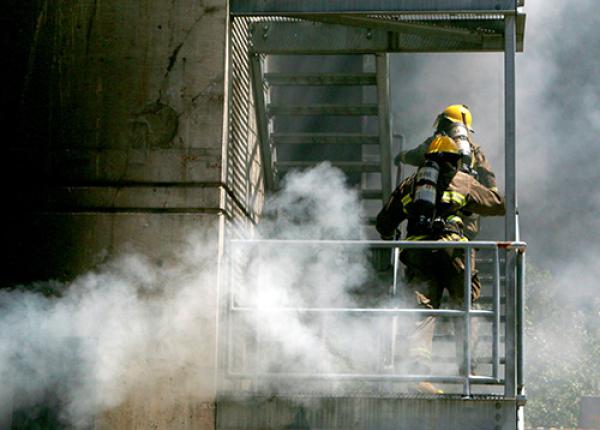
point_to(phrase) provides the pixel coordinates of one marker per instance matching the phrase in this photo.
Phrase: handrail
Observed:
(404, 244)
(467, 312)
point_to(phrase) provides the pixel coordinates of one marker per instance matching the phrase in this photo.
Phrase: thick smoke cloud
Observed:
(558, 109)
(557, 124)
(276, 277)
(557, 119)
(129, 326)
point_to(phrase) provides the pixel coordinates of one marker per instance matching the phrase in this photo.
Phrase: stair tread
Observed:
(321, 79)
(361, 109)
(354, 166)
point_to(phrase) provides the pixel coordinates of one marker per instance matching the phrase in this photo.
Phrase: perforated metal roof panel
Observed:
(286, 7)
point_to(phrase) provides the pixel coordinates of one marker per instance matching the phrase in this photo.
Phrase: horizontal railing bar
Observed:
(488, 300)
(367, 377)
(479, 260)
(441, 312)
(393, 243)
(486, 277)
(439, 359)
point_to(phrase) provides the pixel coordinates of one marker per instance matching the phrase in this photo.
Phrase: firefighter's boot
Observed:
(426, 388)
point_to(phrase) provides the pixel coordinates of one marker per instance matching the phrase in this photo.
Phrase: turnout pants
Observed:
(429, 273)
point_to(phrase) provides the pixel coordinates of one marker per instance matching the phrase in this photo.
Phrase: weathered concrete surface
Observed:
(147, 412)
(115, 94)
(117, 146)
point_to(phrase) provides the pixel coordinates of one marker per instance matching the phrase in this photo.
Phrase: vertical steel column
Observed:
(385, 129)
(520, 321)
(467, 310)
(511, 199)
(262, 121)
(496, 321)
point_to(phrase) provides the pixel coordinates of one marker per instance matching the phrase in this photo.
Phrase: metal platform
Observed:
(365, 413)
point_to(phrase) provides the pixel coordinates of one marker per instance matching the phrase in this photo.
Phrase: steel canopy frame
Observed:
(295, 7)
(318, 38)
(331, 35)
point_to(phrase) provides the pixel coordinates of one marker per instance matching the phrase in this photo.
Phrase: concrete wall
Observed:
(117, 141)
(121, 116)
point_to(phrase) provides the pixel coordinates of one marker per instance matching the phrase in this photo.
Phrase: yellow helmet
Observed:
(442, 145)
(456, 113)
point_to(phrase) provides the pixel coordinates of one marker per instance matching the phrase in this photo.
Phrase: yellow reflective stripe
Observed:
(453, 237)
(448, 237)
(417, 237)
(454, 218)
(454, 197)
(494, 189)
(405, 202)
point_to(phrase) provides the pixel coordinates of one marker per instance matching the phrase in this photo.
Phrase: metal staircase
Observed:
(326, 115)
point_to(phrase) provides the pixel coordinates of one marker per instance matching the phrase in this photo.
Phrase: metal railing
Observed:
(513, 339)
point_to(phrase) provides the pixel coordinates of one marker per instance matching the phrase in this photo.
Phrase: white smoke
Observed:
(278, 276)
(128, 326)
(131, 326)
(557, 127)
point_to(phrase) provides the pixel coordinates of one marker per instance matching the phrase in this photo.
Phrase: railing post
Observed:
(520, 322)
(467, 310)
(496, 322)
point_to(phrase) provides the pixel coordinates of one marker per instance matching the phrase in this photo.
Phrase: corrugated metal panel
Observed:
(243, 180)
(274, 7)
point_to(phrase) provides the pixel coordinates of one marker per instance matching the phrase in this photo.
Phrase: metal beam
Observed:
(262, 122)
(466, 31)
(315, 38)
(324, 38)
(415, 28)
(385, 127)
(296, 7)
(510, 389)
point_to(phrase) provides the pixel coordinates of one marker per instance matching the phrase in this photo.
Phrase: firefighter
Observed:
(430, 201)
(456, 121)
